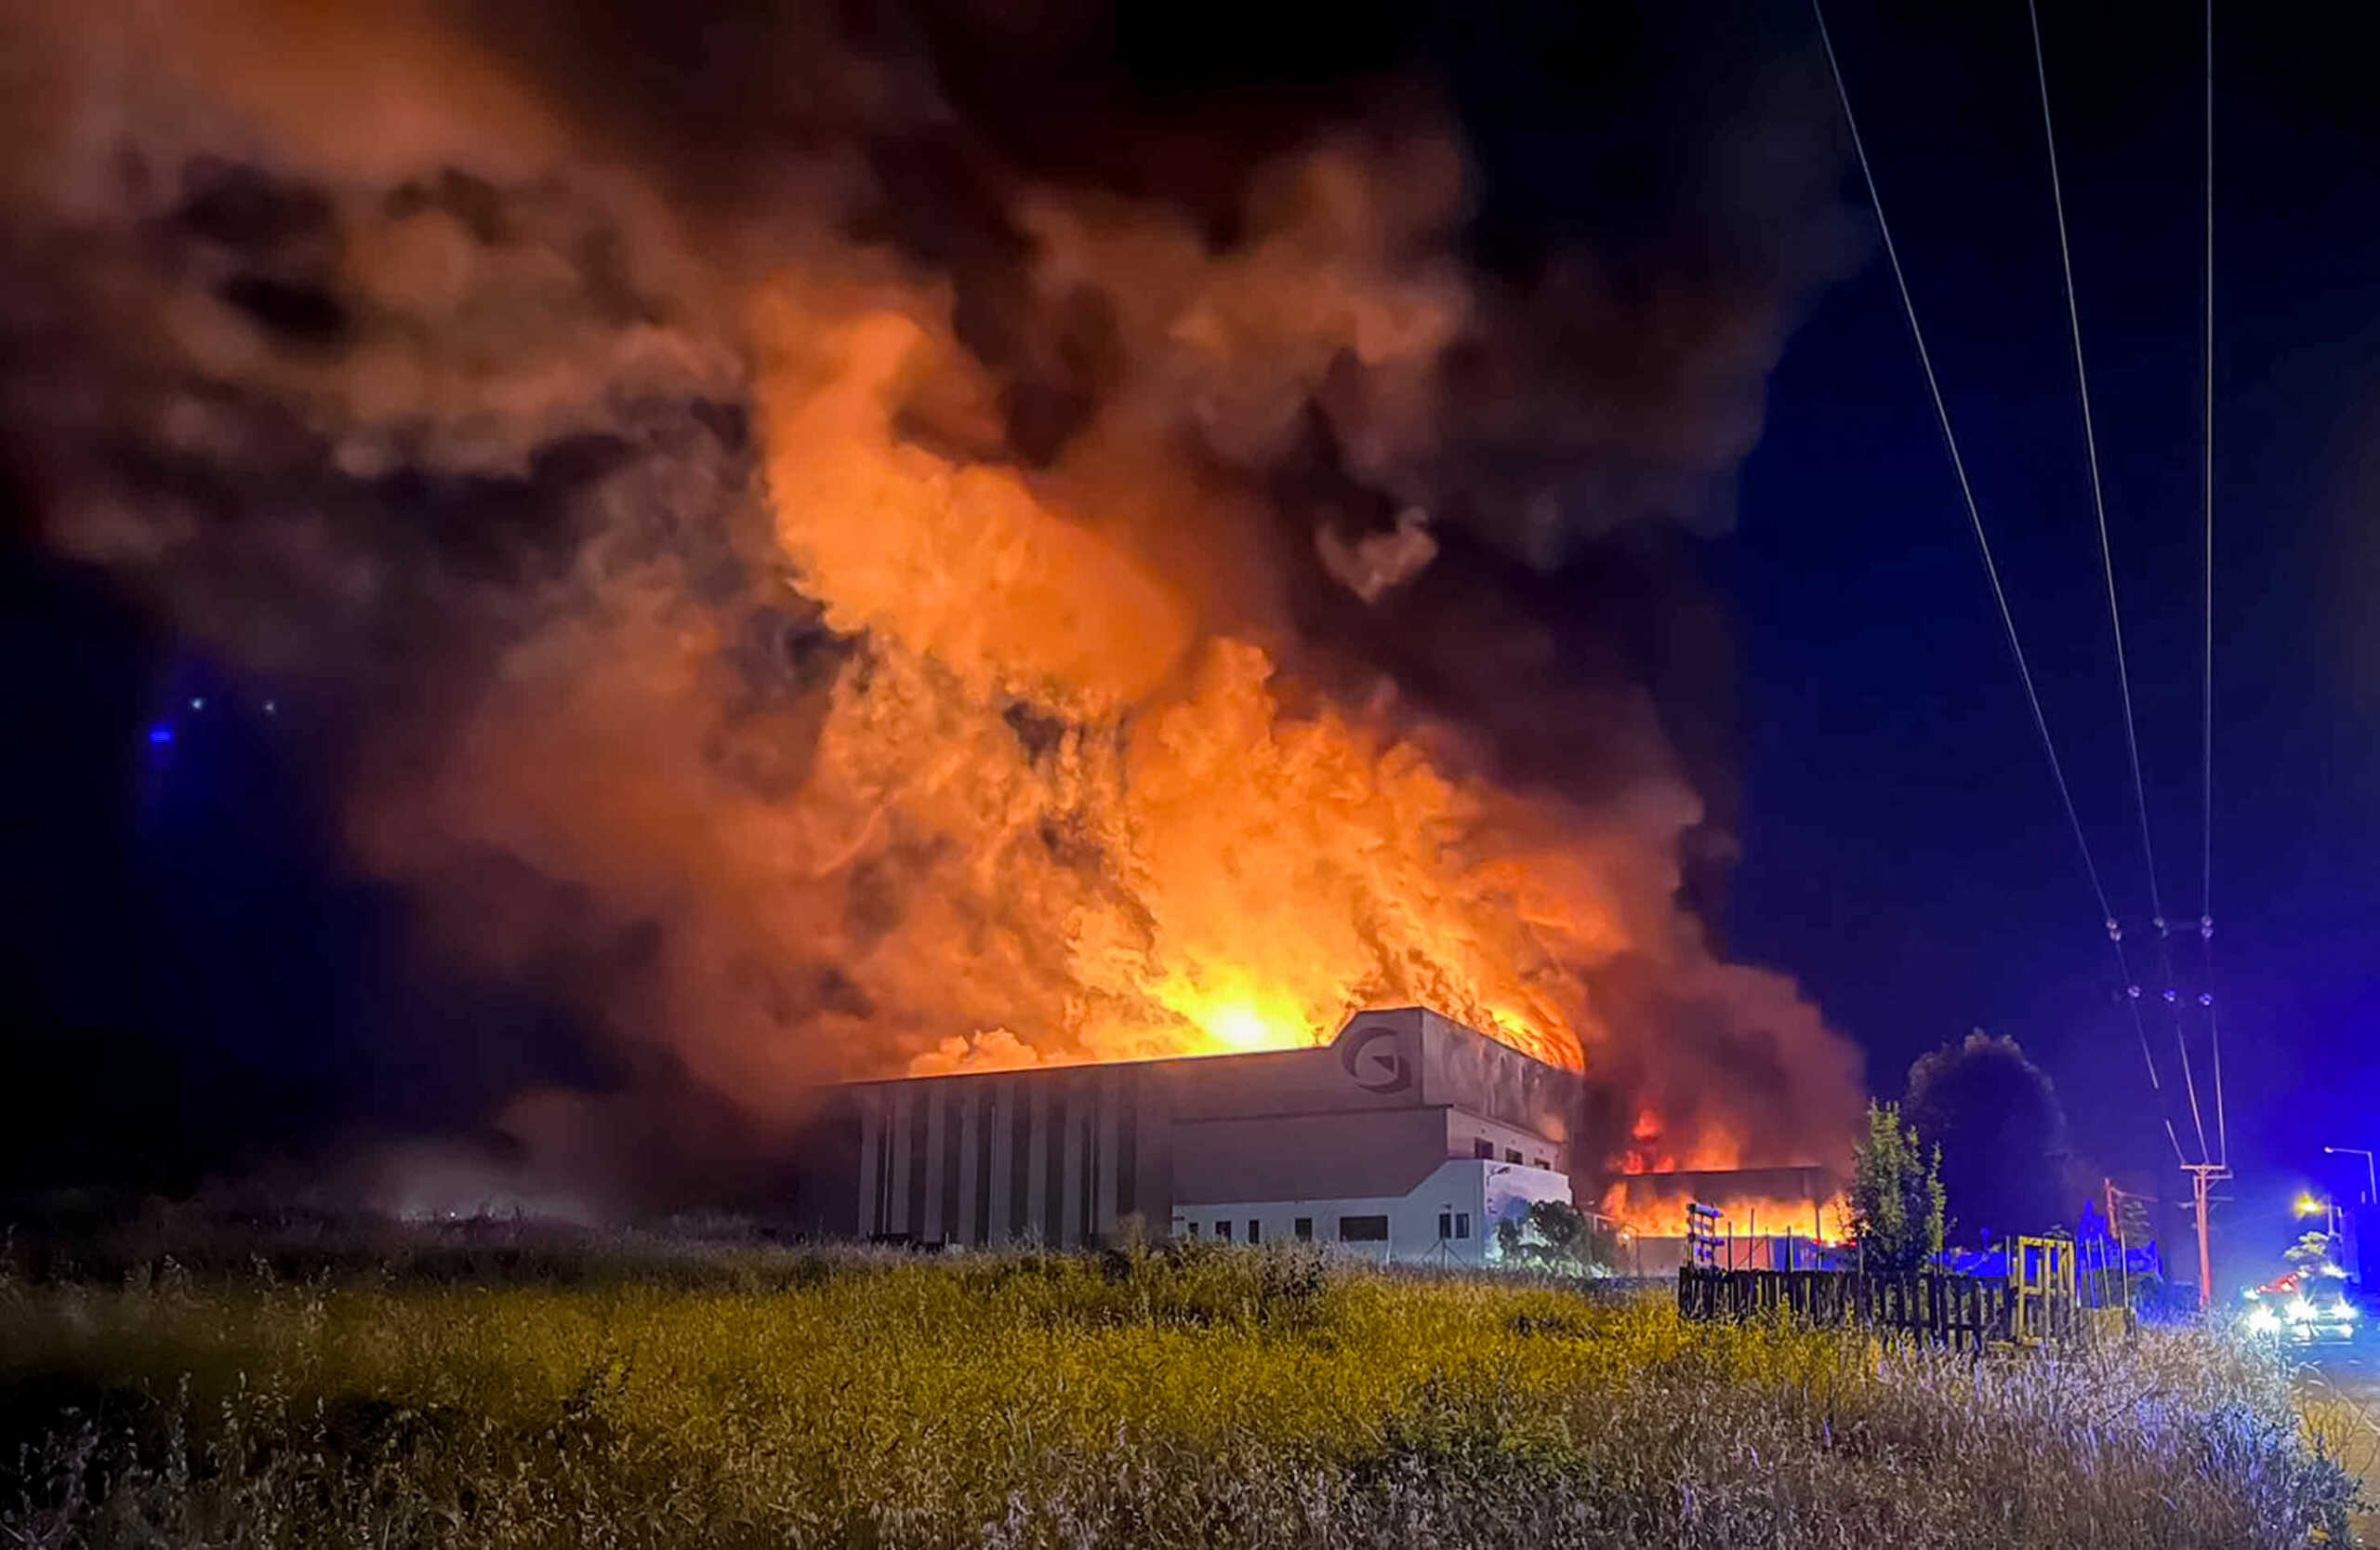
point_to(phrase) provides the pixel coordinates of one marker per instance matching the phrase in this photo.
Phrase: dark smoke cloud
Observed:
(396, 353)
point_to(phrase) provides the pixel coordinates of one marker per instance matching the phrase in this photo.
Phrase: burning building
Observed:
(803, 584)
(1803, 1200)
(1785, 1218)
(1408, 1136)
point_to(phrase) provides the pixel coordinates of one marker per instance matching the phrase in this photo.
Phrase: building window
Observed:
(1541, 1163)
(1512, 1154)
(1483, 1148)
(1222, 1229)
(1446, 1225)
(1363, 1229)
(1194, 1229)
(1303, 1227)
(1255, 1231)
(1463, 1224)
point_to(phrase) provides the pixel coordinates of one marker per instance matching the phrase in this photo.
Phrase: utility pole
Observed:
(2203, 1174)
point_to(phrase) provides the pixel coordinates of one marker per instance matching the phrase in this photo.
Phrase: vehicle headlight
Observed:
(2263, 1320)
(2300, 1311)
(2345, 1313)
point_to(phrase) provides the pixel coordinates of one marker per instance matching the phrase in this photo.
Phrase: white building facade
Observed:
(1407, 1139)
(1450, 1218)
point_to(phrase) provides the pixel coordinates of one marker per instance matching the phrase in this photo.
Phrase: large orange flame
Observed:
(1177, 861)
(1825, 1221)
(1071, 793)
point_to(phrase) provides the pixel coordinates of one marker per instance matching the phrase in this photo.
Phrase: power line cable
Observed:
(2206, 692)
(1991, 567)
(2107, 570)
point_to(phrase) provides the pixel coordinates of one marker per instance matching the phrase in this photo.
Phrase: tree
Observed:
(1896, 1198)
(2310, 1255)
(1995, 1119)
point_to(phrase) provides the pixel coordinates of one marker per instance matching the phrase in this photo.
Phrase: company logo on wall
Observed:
(1373, 1059)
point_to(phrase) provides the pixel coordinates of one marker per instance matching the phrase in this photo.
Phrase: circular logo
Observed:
(1375, 1068)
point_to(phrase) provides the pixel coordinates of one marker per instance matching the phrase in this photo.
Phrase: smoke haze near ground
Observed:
(821, 545)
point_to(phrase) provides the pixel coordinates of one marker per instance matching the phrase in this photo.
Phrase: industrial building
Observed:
(1408, 1137)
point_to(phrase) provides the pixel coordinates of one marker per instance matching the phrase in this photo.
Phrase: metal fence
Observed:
(2035, 1304)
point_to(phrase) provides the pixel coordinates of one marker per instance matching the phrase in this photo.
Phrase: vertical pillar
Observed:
(1070, 1187)
(897, 1218)
(937, 1160)
(871, 1137)
(1003, 1122)
(970, 1139)
(1036, 1162)
(1110, 1154)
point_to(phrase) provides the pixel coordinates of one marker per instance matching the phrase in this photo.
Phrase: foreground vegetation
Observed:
(1212, 1398)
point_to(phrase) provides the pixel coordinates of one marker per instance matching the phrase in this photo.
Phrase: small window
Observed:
(1512, 1154)
(1222, 1229)
(1255, 1230)
(1446, 1225)
(1541, 1163)
(1303, 1227)
(1483, 1148)
(1463, 1224)
(1363, 1229)
(1194, 1229)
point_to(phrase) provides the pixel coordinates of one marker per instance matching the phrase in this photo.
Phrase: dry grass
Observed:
(2346, 1427)
(1201, 1398)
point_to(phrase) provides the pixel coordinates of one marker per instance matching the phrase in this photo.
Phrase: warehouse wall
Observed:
(1062, 1155)
(1050, 1156)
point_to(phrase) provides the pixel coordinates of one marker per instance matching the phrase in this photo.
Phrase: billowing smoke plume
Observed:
(845, 545)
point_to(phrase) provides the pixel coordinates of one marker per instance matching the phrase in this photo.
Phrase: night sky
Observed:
(1900, 849)
(1902, 845)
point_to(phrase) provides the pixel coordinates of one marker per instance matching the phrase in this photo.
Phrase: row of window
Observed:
(1255, 1228)
(1485, 1149)
(1352, 1229)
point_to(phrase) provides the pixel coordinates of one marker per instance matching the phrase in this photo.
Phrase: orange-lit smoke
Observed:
(1054, 769)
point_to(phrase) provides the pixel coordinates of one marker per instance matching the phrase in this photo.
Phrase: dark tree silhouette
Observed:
(2002, 1135)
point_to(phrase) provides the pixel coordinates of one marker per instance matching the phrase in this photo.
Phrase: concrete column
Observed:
(1036, 1163)
(871, 1136)
(897, 1219)
(970, 1140)
(1110, 1154)
(1003, 1120)
(936, 1161)
(1079, 1102)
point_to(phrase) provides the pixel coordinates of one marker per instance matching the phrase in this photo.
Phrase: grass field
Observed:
(1215, 1398)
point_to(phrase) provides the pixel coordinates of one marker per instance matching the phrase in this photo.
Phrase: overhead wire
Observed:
(2108, 572)
(1991, 567)
(2206, 690)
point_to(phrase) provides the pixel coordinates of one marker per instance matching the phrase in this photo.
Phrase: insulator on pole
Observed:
(2171, 995)
(2115, 930)
(2133, 990)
